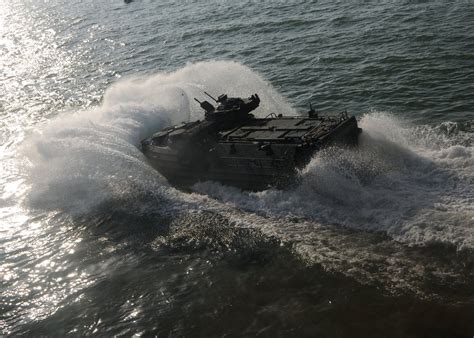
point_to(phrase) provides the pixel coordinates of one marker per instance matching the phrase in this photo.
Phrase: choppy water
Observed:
(376, 241)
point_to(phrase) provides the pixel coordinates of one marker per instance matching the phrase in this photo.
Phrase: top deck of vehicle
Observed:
(280, 129)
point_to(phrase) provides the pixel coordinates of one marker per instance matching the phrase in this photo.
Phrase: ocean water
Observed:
(376, 241)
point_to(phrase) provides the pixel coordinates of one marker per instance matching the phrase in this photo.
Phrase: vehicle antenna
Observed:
(210, 96)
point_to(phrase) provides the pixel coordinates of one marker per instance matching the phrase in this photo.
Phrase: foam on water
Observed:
(410, 183)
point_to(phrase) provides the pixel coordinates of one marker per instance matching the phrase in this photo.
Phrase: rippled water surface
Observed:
(376, 241)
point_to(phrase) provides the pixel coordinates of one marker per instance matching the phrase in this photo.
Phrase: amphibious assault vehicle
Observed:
(234, 147)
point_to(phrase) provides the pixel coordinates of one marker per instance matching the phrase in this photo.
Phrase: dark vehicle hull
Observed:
(256, 155)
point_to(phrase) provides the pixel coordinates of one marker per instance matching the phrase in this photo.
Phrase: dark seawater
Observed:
(375, 242)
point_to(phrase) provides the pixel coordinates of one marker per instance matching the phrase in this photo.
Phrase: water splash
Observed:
(91, 158)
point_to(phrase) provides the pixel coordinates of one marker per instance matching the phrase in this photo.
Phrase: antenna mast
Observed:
(210, 96)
